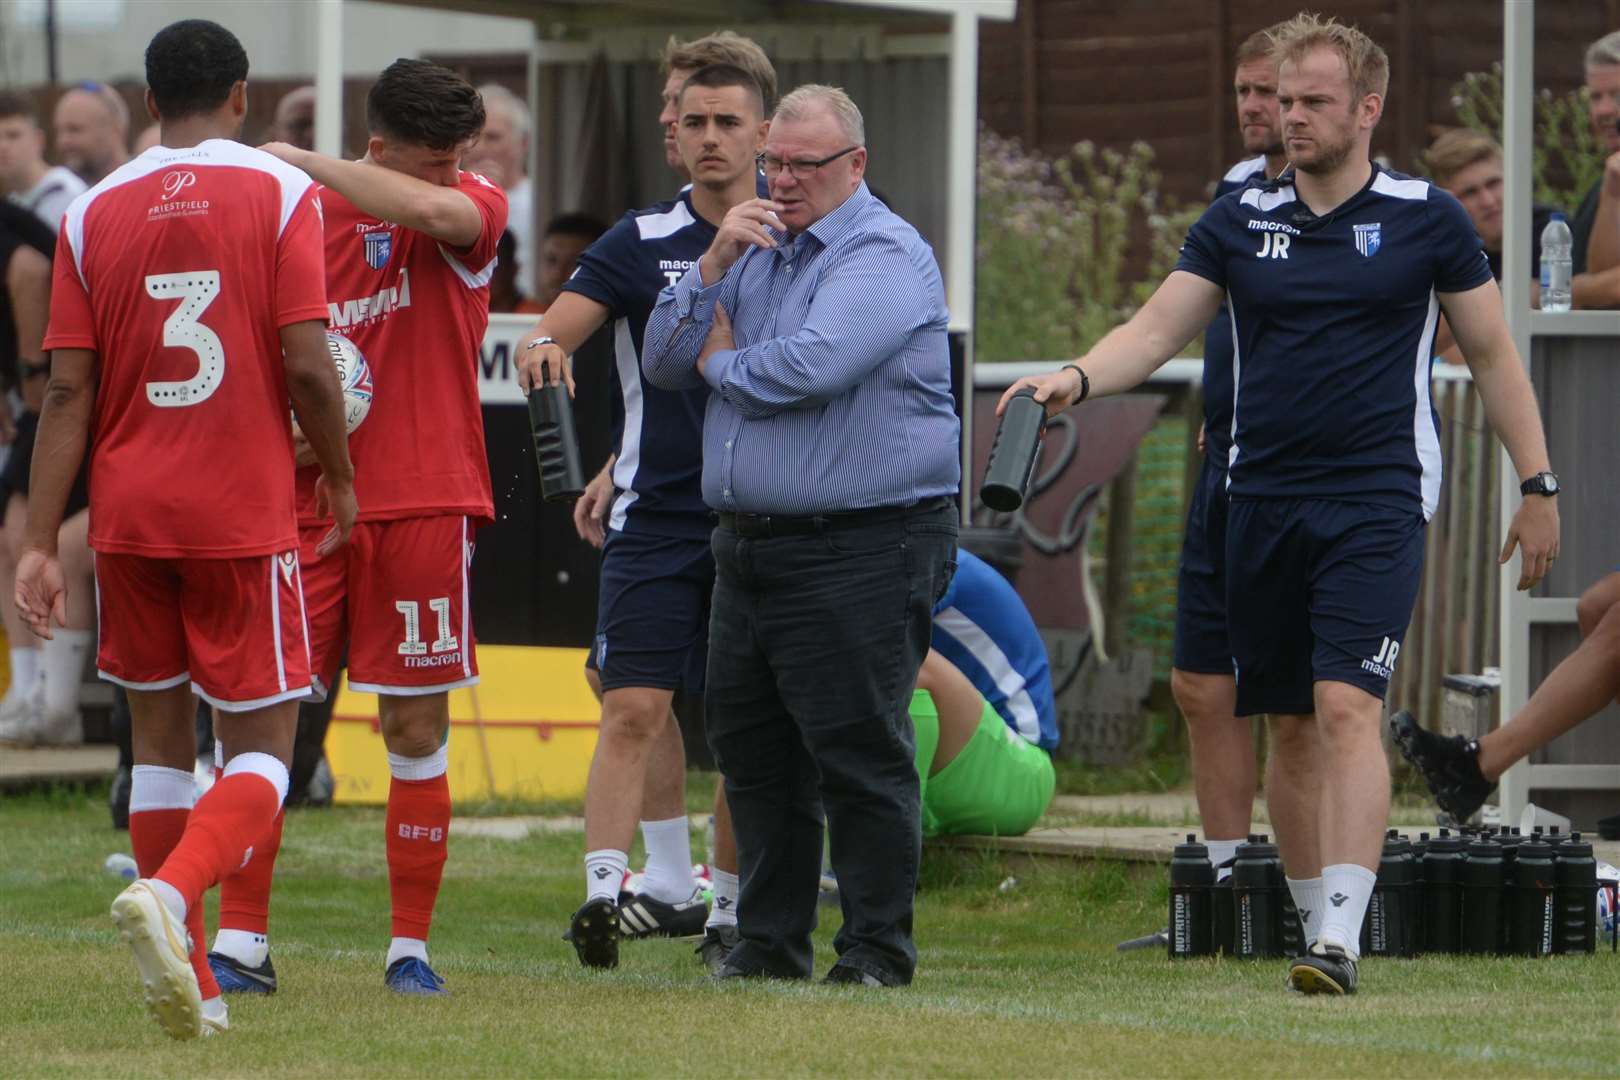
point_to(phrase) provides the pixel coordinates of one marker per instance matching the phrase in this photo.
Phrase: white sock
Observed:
(669, 859)
(604, 872)
(171, 898)
(243, 946)
(1307, 894)
(214, 1008)
(62, 667)
(1222, 851)
(724, 911)
(1347, 888)
(401, 947)
(24, 671)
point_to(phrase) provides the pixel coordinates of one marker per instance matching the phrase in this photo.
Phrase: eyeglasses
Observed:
(771, 165)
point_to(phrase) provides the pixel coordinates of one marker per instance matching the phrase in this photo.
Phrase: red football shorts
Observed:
(233, 628)
(396, 595)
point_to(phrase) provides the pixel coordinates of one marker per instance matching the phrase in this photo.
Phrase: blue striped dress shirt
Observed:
(838, 394)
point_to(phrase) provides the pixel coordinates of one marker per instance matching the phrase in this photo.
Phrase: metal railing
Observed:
(1454, 625)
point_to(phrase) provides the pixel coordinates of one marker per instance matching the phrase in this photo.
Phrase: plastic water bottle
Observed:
(120, 865)
(1556, 267)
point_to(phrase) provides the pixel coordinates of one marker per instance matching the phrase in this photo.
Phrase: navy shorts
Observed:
(652, 612)
(1317, 591)
(1202, 644)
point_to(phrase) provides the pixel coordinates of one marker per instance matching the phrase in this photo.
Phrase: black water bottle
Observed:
(556, 446)
(1574, 896)
(1533, 899)
(1482, 879)
(1420, 847)
(1442, 901)
(1191, 878)
(1387, 929)
(1013, 453)
(1258, 908)
(1223, 912)
(1510, 840)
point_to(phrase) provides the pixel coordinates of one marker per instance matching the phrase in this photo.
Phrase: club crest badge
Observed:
(1368, 238)
(379, 245)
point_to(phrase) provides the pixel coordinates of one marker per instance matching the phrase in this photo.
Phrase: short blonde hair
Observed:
(803, 100)
(1367, 63)
(723, 47)
(1456, 150)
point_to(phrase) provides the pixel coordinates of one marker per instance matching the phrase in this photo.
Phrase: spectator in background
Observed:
(25, 177)
(148, 138)
(91, 127)
(41, 705)
(504, 295)
(502, 155)
(1469, 165)
(294, 121)
(567, 237)
(1596, 224)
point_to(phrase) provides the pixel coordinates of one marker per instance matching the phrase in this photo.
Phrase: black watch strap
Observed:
(1085, 382)
(1543, 483)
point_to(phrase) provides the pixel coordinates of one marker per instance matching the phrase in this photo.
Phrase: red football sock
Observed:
(418, 831)
(153, 834)
(235, 815)
(244, 897)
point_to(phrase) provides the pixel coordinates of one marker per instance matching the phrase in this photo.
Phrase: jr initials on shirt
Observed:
(1273, 245)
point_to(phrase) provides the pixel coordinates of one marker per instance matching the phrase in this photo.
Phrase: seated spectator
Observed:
(505, 295)
(501, 154)
(1469, 165)
(91, 126)
(1595, 228)
(983, 711)
(42, 703)
(294, 122)
(566, 238)
(25, 177)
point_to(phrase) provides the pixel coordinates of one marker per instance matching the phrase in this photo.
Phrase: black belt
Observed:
(753, 526)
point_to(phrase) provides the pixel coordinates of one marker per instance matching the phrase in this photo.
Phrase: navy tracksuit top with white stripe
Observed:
(658, 433)
(1333, 323)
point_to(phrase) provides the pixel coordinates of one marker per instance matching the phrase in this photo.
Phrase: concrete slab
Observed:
(39, 764)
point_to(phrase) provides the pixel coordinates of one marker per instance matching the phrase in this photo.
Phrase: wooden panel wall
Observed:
(1114, 71)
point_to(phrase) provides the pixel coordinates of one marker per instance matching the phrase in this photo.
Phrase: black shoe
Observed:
(1326, 969)
(1449, 764)
(643, 916)
(717, 943)
(844, 975)
(594, 930)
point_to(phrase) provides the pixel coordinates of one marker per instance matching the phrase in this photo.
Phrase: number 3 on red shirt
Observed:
(181, 330)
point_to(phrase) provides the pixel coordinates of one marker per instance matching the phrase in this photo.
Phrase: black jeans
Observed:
(814, 646)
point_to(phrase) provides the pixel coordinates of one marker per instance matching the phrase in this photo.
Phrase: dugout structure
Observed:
(1574, 360)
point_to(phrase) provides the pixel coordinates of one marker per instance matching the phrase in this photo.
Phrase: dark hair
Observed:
(422, 103)
(716, 76)
(191, 66)
(723, 47)
(576, 224)
(14, 103)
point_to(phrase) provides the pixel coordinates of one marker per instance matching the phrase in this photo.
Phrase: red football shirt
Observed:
(417, 310)
(178, 270)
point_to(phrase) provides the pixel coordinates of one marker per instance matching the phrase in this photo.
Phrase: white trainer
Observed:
(159, 944)
(216, 1017)
(20, 716)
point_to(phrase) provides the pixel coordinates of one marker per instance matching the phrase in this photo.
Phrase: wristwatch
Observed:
(539, 341)
(1543, 483)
